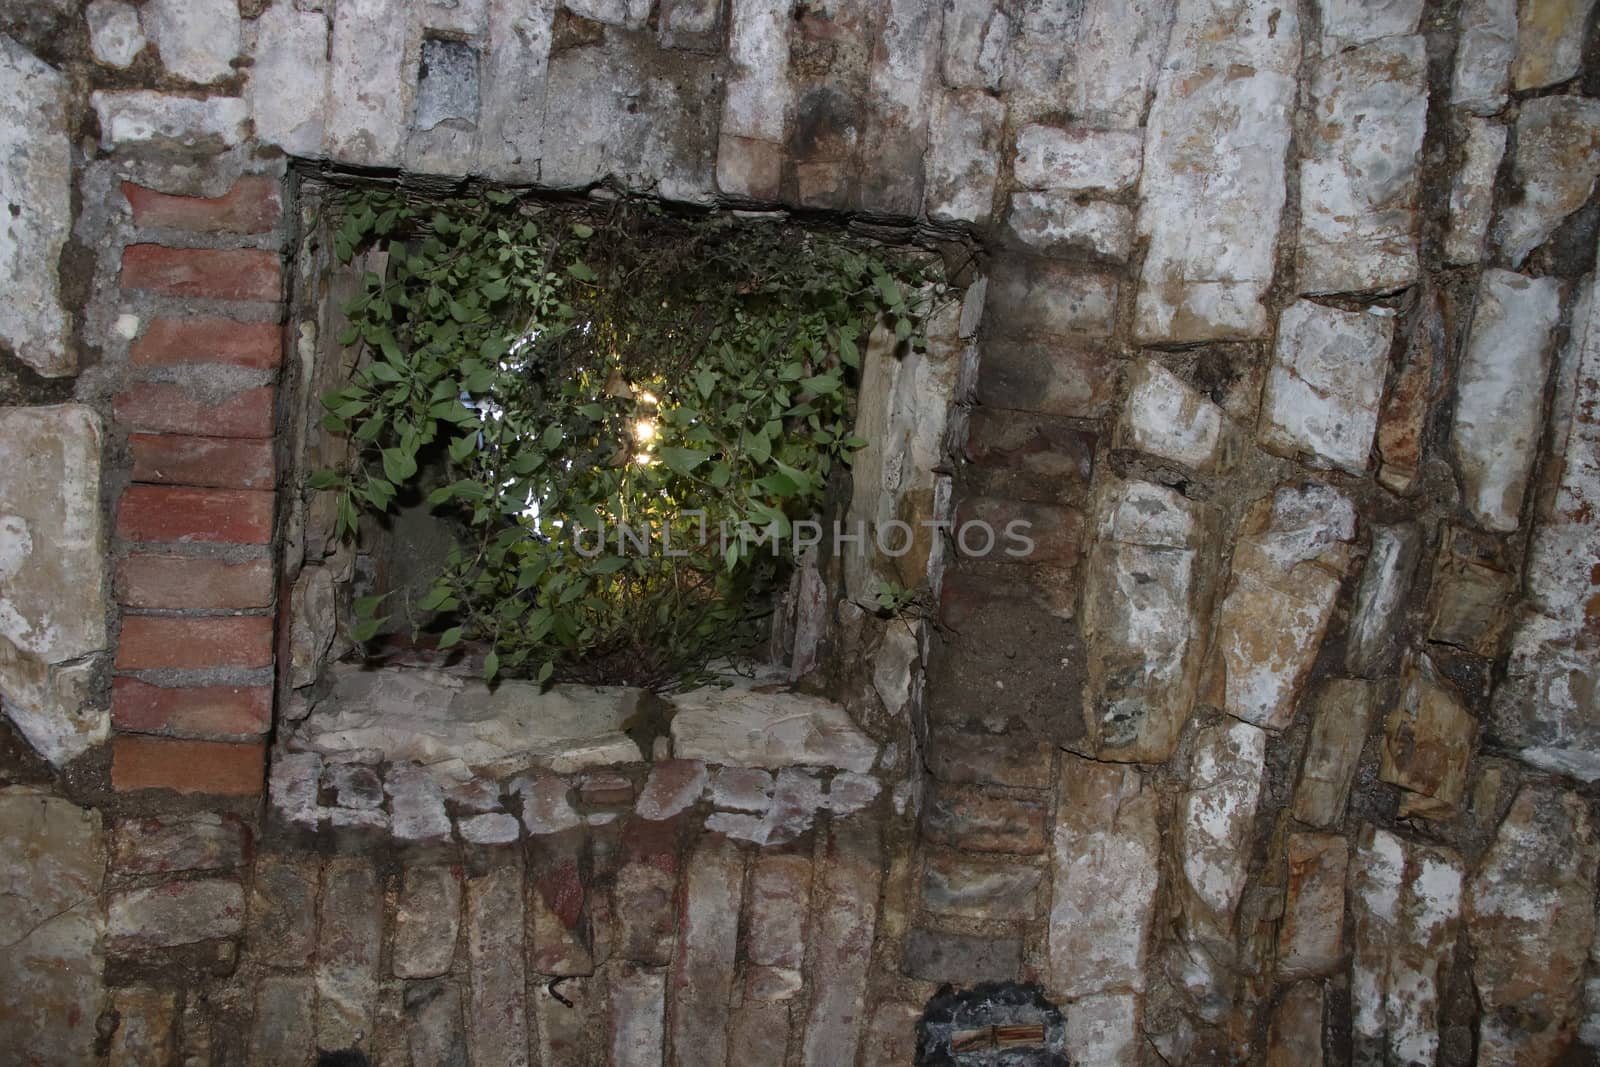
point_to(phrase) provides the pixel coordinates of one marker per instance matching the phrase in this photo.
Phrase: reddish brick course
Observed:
(152, 581)
(154, 643)
(222, 274)
(211, 711)
(253, 205)
(159, 407)
(226, 462)
(222, 516)
(209, 767)
(242, 344)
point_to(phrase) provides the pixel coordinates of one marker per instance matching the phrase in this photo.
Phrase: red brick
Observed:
(152, 642)
(253, 205)
(208, 711)
(210, 767)
(152, 581)
(186, 516)
(160, 407)
(241, 344)
(225, 462)
(218, 273)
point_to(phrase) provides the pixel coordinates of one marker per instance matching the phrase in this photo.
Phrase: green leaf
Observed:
(821, 384)
(450, 637)
(582, 231)
(609, 565)
(890, 290)
(365, 605)
(682, 460)
(462, 446)
(551, 438)
(363, 632)
(546, 671)
(491, 666)
(399, 465)
(325, 479)
(581, 272)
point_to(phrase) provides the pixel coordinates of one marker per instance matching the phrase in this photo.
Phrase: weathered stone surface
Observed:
(1428, 742)
(632, 112)
(497, 1028)
(511, 119)
(980, 820)
(1120, 45)
(283, 911)
(435, 719)
(963, 157)
(1348, 22)
(1042, 297)
(1104, 1029)
(1545, 707)
(426, 919)
(902, 83)
(1055, 223)
(1325, 385)
(642, 901)
(1359, 181)
(1170, 419)
(1288, 560)
(349, 943)
(628, 13)
(369, 95)
(565, 1026)
(292, 788)
(1500, 393)
(1405, 902)
(1107, 849)
(1295, 1037)
(1218, 813)
(708, 943)
(1077, 160)
(354, 785)
(545, 807)
(197, 39)
(281, 1026)
(114, 33)
(144, 1026)
(177, 913)
(965, 959)
(560, 911)
(1311, 934)
(776, 919)
(757, 101)
(1487, 45)
(638, 1028)
(752, 728)
(673, 787)
(1143, 616)
(976, 33)
(492, 828)
(52, 584)
(434, 1032)
(983, 759)
(1550, 36)
(1213, 185)
(289, 78)
(959, 885)
(1341, 714)
(35, 179)
(1472, 593)
(741, 788)
(1553, 171)
(1380, 597)
(1530, 918)
(847, 915)
(1472, 191)
(154, 845)
(52, 860)
(1403, 426)
(416, 805)
(157, 120)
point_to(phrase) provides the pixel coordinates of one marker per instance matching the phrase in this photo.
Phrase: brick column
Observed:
(192, 698)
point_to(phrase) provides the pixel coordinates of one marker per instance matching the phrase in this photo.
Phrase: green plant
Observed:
(614, 369)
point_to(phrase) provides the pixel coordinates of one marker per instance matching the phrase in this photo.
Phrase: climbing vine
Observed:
(622, 411)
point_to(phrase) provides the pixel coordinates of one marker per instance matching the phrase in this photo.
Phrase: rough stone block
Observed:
(177, 913)
(159, 121)
(1553, 171)
(115, 36)
(1325, 385)
(35, 180)
(426, 920)
(1428, 743)
(963, 157)
(349, 942)
(1311, 934)
(966, 959)
(160, 845)
(980, 820)
(1341, 713)
(1078, 160)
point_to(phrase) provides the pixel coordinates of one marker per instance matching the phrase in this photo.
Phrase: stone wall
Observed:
(1281, 330)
